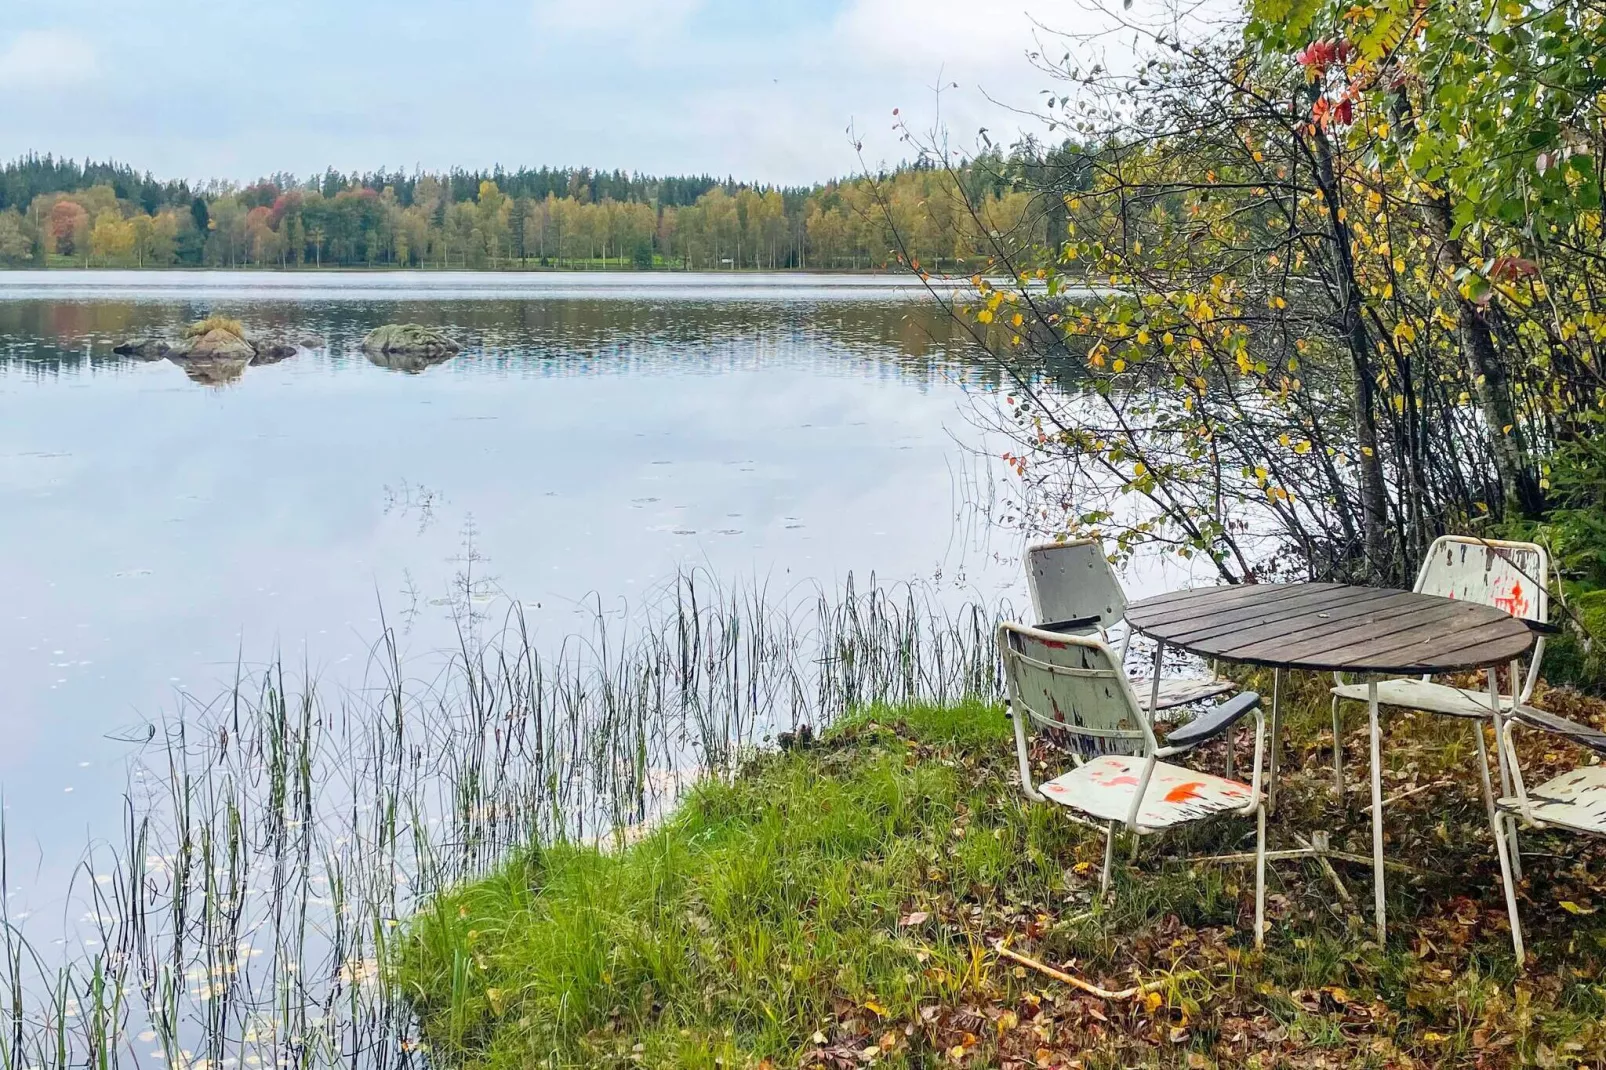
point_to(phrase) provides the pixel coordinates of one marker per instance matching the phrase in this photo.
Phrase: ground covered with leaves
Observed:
(841, 905)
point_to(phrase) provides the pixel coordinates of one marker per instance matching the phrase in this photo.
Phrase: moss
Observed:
(202, 328)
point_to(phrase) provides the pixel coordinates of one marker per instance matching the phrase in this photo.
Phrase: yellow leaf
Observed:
(984, 316)
(1152, 1001)
(1302, 447)
(1118, 365)
(875, 1008)
(1573, 908)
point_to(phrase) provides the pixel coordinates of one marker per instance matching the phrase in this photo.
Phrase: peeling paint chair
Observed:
(1513, 576)
(1074, 686)
(1575, 800)
(1075, 591)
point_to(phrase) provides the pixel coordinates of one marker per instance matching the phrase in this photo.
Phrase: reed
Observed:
(274, 838)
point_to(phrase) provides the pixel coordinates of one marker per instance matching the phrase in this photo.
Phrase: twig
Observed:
(1086, 986)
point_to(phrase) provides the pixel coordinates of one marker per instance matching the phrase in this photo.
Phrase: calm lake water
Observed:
(597, 434)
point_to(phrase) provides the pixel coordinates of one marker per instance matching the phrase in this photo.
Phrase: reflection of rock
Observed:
(211, 371)
(143, 348)
(411, 363)
(409, 339)
(311, 341)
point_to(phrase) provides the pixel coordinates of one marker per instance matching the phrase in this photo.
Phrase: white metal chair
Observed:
(1074, 590)
(1074, 685)
(1513, 576)
(1575, 800)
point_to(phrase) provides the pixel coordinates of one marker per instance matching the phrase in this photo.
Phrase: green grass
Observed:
(770, 919)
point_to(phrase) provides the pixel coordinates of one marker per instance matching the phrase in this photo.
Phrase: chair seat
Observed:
(1103, 789)
(1576, 800)
(1180, 690)
(1414, 694)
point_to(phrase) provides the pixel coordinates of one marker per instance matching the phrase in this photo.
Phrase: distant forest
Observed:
(58, 212)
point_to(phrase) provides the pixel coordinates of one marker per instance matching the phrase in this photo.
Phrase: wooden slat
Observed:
(1198, 619)
(1203, 602)
(1326, 640)
(1289, 623)
(1324, 626)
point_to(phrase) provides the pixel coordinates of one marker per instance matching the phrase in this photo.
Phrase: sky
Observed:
(758, 89)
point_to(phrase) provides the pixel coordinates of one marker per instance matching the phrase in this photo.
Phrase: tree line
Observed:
(62, 213)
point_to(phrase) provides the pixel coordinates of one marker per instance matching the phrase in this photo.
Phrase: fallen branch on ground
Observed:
(1086, 986)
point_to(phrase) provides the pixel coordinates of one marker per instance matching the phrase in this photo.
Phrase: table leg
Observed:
(1338, 752)
(1377, 814)
(1499, 832)
(1154, 681)
(1275, 763)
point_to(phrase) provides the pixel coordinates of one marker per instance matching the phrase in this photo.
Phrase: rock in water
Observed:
(409, 339)
(143, 348)
(220, 345)
(273, 351)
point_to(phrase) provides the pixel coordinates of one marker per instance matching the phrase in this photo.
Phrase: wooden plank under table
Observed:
(1336, 627)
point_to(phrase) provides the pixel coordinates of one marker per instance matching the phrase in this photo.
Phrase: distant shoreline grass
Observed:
(836, 907)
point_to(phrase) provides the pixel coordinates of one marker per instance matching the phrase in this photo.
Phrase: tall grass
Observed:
(273, 838)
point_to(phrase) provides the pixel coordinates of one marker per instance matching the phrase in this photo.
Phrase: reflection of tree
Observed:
(544, 335)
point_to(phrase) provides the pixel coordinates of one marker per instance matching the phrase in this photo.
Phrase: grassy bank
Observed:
(837, 905)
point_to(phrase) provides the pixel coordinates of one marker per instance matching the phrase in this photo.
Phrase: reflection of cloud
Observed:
(47, 58)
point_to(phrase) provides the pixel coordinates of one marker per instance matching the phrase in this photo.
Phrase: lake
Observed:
(639, 524)
(597, 434)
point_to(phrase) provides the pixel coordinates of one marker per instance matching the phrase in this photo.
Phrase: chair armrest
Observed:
(1074, 624)
(1581, 734)
(1213, 721)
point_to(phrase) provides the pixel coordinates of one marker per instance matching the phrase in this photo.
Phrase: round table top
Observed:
(1333, 627)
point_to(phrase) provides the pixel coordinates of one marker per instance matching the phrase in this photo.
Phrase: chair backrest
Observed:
(1073, 579)
(1507, 575)
(1073, 684)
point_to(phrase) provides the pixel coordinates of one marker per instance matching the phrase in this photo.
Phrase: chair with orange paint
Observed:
(1073, 686)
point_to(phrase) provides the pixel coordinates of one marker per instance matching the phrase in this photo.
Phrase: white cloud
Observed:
(975, 35)
(47, 59)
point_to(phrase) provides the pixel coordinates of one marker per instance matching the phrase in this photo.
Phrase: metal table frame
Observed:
(1449, 636)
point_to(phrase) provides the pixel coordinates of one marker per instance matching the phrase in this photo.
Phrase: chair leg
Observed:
(1378, 891)
(1506, 788)
(1495, 828)
(1483, 777)
(1510, 890)
(1109, 859)
(1338, 751)
(1260, 875)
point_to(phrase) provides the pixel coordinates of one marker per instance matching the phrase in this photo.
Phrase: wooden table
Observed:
(1340, 628)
